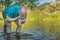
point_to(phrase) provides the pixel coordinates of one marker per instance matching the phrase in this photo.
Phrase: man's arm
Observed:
(12, 19)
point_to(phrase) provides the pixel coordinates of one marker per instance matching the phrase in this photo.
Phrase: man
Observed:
(16, 14)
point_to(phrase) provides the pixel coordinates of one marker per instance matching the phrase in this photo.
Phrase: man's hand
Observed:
(18, 17)
(21, 17)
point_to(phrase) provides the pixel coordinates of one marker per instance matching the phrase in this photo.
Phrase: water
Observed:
(32, 35)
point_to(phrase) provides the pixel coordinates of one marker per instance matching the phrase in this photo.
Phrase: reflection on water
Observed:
(32, 35)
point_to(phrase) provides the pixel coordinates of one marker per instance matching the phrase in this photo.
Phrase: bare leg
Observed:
(8, 30)
(18, 23)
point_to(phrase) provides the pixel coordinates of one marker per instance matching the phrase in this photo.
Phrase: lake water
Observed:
(33, 35)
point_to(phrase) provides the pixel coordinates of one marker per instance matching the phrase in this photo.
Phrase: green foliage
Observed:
(47, 7)
(29, 3)
(1, 7)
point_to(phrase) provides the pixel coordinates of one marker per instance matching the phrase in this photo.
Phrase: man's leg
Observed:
(7, 27)
(19, 24)
(18, 30)
(8, 30)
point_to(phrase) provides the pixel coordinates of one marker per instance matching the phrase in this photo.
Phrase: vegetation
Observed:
(44, 18)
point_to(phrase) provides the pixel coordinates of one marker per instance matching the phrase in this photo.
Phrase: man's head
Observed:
(23, 11)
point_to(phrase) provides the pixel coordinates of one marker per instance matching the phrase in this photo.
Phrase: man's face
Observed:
(22, 14)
